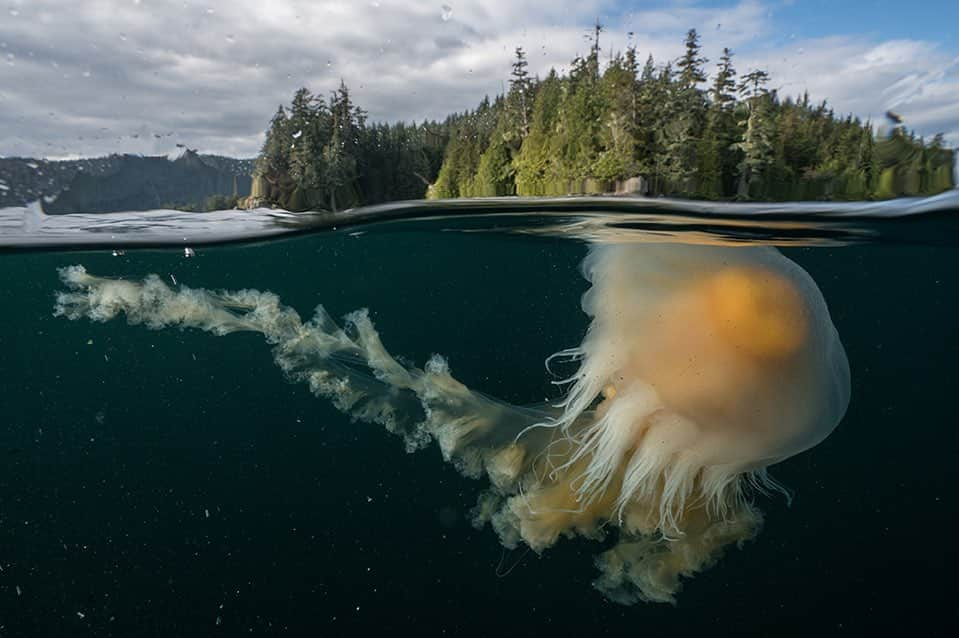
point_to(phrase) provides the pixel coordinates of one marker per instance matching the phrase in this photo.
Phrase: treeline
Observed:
(211, 203)
(619, 126)
(661, 130)
(322, 154)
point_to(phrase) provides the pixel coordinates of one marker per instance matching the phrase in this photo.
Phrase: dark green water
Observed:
(173, 484)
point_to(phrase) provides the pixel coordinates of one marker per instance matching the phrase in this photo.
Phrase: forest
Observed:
(615, 126)
(323, 155)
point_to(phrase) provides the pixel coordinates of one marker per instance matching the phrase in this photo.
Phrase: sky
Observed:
(92, 77)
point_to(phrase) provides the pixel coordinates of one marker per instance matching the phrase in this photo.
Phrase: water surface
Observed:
(171, 483)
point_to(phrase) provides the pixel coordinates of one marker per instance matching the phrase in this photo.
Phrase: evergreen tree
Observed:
(273, 165)
(339, 153)
(753, 84)
(617, 139)
(687, 119)
(537, 172)
(724, 84)
(275, 155)
(757, 146)
(521, 90)
(690, 66)
(647, 120)
(718, 148)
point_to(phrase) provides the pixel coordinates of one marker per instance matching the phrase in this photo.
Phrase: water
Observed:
(921, 220)
(170, 482)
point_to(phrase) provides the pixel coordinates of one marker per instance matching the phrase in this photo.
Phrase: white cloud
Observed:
(101, 76)
(919, 80)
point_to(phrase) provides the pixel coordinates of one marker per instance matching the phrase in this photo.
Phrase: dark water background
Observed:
(173, 484)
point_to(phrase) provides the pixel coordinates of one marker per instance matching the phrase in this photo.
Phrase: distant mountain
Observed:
(24, 180)
(123, 182)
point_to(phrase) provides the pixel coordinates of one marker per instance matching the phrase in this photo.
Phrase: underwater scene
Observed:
(478, 318)
(487, 416)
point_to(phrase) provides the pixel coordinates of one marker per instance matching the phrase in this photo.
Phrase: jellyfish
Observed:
(701, 367)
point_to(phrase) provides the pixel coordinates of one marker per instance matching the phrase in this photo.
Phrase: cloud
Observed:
(917, 79)
(99, 76)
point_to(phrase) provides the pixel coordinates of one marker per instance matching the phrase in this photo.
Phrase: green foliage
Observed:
(321, 155)
(595, 130)
(519, 101)
(758, 146)
(494, 177)
(535, 163)
(616, 153)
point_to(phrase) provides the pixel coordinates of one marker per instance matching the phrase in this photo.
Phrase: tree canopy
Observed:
(322, 154)
(660, 129)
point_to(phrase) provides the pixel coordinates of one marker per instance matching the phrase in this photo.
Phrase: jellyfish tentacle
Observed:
(567, 355)
(349, 365)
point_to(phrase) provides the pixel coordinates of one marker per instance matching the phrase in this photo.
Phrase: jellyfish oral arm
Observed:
(348, 365)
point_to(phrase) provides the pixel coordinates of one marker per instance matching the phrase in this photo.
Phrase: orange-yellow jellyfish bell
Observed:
(702, 366)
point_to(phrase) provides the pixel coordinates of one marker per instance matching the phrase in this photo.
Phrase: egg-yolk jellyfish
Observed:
(702, 366)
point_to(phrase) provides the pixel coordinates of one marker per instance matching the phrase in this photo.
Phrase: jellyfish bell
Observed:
(701, 367)
(738, 343)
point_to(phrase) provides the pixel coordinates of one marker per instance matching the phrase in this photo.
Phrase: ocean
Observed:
(176, 483)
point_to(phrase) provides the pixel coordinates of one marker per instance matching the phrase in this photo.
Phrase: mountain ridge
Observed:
(123, 181)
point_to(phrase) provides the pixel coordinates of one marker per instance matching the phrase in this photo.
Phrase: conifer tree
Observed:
(690, 66)
(686, 119)
(536, 167)
(520, 97)
(724, 84)
(718, 148)
(616, 159)
(757, 146)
